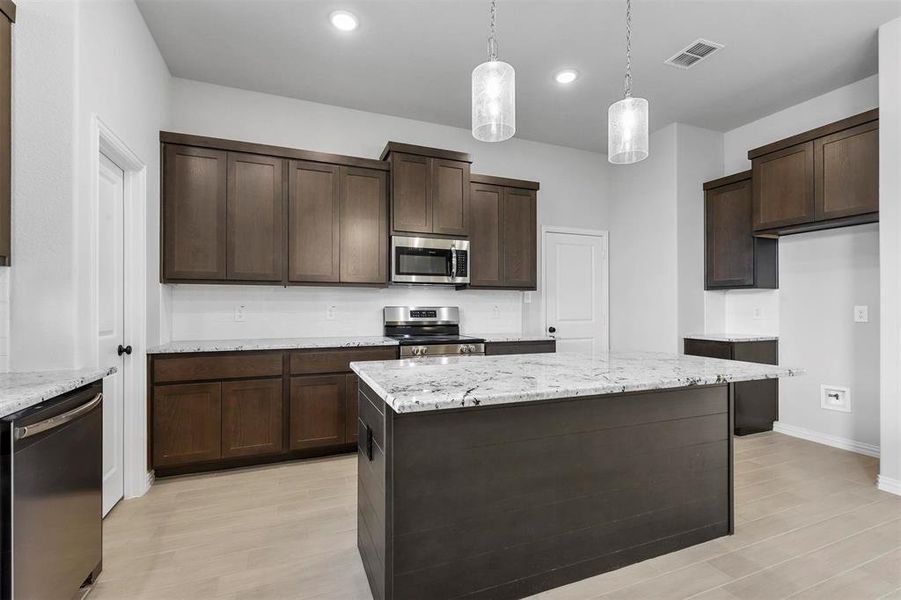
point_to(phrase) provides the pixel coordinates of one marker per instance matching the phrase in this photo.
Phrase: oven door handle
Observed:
(53, 422)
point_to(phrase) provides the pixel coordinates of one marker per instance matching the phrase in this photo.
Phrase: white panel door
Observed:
(575, 267)
(111, 324)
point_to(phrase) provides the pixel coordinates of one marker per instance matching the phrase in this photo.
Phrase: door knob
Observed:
(123, 350)
(552, 329)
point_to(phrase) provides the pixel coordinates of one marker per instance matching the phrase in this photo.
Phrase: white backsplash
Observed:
(207, 312)
(4, 319)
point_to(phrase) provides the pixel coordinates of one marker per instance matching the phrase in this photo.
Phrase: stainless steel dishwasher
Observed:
(51, 496)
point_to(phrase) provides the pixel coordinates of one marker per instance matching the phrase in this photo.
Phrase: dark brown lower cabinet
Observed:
(529, 347)
(317, 411)
(186, 423)
(351, 411)
(756, 402)
(228, 409)
(251, 417)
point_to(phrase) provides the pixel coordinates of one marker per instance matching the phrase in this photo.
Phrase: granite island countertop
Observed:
(22, 390)
(424, 384)
(732, 337)
(186, 346)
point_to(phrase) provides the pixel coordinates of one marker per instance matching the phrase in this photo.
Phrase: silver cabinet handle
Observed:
(47, 424)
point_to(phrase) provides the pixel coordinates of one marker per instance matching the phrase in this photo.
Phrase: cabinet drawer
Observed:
(228, 366)
(497, 348)
(708, 348)
(337, 360)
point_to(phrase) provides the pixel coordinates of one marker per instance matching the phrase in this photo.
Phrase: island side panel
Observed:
(373, 490)
(509, 500)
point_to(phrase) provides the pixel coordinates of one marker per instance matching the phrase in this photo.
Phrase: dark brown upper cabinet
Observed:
(363, 226)
(429, 190)
(7, 18)
(241, 212)
(503, 233)
(313, 222)
(194, 213)
(733, 257)
(255, 218)
(824, 178)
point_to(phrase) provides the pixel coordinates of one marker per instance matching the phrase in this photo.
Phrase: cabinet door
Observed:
(364, 226)
(411, 195)
(186, 423)
(450, 197)
(194, 213)
(251, 417)
(313, 222)
(847, 172)
(783, 187)
(486, 265)
(351, 410)
(519, 238)
(729, 237)
(317, 411)
(255, 221)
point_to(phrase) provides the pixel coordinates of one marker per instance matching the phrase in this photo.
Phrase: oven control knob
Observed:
(471, 348)
(464, 349)
(423, 350)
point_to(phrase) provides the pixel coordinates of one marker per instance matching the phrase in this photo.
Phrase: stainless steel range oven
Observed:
(429, 260)
(429, 331)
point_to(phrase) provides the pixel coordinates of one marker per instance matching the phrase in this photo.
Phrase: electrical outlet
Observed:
(861, 314)
(496, 312)
(330, 312)
(239, 313)
(527, 297)
(757, 312)
(835, 397)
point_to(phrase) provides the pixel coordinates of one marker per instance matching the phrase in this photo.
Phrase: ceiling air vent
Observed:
(692, 54)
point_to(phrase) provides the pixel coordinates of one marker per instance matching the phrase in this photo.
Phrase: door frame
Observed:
(137, 479)
(604, 274)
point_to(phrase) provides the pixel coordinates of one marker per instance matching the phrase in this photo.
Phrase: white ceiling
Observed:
(414, 58)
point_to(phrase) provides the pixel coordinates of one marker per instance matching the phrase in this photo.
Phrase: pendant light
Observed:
(493, 93)
(627, 120)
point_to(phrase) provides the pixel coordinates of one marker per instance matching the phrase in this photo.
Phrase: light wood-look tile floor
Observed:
(810, 525)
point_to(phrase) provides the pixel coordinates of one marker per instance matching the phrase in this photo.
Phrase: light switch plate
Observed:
(835, 397)
(239, 313)
(861, 314)
(330, 312)
(758, 312)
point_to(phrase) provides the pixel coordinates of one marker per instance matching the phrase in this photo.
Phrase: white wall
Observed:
(573, 193)
(71, 61)
(890, 254)
(823, 276)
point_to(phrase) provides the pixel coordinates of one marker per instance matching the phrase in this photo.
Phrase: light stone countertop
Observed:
(425, 384)
(732, 337)
(185, 346)
(23, 390)
(511, 337)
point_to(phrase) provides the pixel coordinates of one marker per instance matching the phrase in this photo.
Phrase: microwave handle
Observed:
(453, 272)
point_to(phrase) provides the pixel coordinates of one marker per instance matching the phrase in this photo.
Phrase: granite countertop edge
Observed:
(21, 390)
(732, 337)
(189, 346)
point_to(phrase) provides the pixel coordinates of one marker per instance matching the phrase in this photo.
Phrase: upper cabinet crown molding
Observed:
(523, 184)
(199, 141)
(403, 148)
(820, 179)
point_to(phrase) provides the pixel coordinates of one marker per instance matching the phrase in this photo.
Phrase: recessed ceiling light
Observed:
(344, 20)
(566, 76)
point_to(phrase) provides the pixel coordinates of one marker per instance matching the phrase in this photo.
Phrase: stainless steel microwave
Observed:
(429, 260)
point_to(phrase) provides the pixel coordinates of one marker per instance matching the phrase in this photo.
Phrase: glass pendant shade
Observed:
(493, 101)
(627, 131)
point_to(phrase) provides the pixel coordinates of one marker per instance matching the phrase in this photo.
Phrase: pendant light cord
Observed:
(628, 80)
(492, 32)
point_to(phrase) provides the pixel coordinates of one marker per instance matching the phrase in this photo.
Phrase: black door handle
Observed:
(123, 350)
(552, 330)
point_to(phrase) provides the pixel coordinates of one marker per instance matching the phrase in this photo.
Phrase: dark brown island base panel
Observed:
(756, 402)
(509, 500)
(503, 233)
(529, 347)
(228, 409)
(821, 179)
(733, 256)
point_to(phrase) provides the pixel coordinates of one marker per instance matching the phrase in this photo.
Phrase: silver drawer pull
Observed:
(29, 430)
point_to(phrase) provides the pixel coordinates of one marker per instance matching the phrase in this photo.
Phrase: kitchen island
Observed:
(502, 476)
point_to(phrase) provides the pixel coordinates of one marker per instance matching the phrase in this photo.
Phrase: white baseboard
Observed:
(887, 484)
(827, 439)
(151, 477)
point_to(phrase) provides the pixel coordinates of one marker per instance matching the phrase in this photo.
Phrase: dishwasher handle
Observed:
(27, 431)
